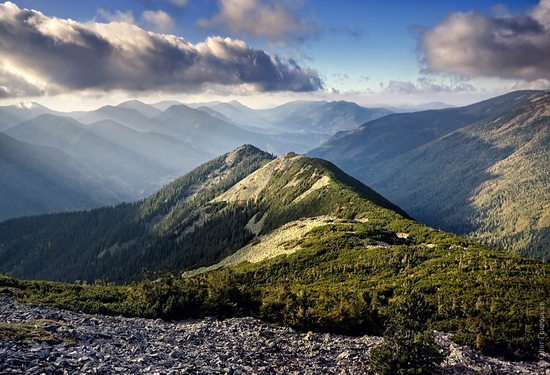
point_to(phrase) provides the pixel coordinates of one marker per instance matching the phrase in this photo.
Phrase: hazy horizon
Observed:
(80, 56)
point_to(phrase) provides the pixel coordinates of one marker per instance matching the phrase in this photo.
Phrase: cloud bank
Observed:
(43, 55)
(426, 85)
(475, 44)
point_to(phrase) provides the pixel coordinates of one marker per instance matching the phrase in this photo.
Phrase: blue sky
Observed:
(264, 52)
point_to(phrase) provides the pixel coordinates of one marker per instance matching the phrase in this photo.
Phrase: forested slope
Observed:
(480, 170)
(362, 267)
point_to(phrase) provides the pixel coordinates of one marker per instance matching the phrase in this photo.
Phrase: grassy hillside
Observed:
(480, 171)
(115, 243)
(489, 181)
(300, 243)
(346, 276)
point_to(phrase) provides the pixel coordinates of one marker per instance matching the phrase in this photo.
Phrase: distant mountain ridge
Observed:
(300, 116)
(461, 169)
(14, 114)
(136, 159)
(139, 147)
(145, 109)
(38, 180)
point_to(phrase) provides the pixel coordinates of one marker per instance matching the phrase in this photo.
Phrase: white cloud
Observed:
(65, 55)
(275, 19)
(118, 16)
(539, 84)
(474, 44)
(13, 85)
(159, 20)
(426, 85)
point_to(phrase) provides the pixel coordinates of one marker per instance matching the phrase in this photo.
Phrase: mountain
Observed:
(138, 160)
(218, 115)
(143, 147)
(87, 245)
(165, 104)
(141, 161)
(171, 229)
(38, 180)
(213, 135)
(166, 151)
(14, 114)
(419, 107)
(301, 116)
(320, 116)
(300, 243)
(241, 115)
(305, 124)
(395, 134)
(493, 180)
(125, 115)
(477, 170)
(145, 109)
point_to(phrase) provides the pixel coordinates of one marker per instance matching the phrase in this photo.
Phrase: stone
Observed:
(104, 345)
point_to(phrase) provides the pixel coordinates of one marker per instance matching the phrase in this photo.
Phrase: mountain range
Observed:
(479, 170)
(40, 179)
(292, 240)
(133, 149)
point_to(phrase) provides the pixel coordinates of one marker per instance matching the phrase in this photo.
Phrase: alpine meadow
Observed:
(274, 187)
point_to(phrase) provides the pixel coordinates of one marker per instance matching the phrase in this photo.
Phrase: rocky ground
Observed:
(87, 344)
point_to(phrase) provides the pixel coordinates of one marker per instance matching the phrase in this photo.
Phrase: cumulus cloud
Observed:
(504, 46)
(13, 85)
(155, 4)
(275, 19)
(159, 20)
(426, 85)
(118, 16)
(65, 55)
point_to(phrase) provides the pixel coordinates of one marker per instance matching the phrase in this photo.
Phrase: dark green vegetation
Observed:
(408, 347)
(356, 273)
(338, 283)
(115, 243)
(480, 171)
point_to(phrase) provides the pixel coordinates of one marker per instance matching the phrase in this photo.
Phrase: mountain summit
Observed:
(293, 240)
(237, 196)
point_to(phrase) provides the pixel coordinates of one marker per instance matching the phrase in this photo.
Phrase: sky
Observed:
(72, 55)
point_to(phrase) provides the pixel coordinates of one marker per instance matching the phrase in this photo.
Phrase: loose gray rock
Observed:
(117, 345)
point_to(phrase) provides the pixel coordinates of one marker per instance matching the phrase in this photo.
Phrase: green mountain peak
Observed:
(303, 244)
